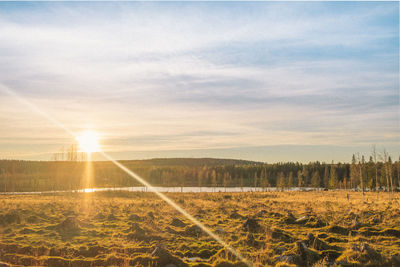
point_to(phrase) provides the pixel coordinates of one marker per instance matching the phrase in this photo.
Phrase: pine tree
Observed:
(333, 177)
(255, 180)
(315, 180)
(213, 178)
(264, 179)
(200, 177)
(326, 176)
(306, 176)
(290, 180)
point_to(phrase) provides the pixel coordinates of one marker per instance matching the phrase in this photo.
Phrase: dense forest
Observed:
(70, 174)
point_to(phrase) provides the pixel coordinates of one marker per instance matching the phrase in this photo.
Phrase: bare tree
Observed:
(360, 169)
(385, 164)
(353, 172)
(300, 179)
(374, 156)
(255, 181)
(226, 180)
(398, 173)
(281, 181)
(390, 172)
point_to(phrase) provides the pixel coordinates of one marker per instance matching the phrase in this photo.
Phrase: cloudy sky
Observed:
(263, 81)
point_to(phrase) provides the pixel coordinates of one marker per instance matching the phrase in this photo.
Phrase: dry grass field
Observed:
(139, 229)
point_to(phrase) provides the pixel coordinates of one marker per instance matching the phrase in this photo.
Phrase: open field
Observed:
(139, 229)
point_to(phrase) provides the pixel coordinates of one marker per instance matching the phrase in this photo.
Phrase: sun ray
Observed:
(178, 208)
(134, 176)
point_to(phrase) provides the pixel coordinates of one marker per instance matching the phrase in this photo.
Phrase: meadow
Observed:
(322, 228)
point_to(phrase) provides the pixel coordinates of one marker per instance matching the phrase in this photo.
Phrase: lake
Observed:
(163, 189)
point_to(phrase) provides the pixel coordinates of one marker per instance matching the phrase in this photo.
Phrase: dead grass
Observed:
(138, 229)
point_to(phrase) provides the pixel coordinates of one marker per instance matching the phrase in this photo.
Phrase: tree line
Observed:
(379, 172)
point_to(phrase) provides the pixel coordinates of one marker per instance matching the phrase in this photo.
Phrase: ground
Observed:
(269, 228)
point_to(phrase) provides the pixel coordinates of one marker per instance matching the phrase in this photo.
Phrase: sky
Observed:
(265, 81)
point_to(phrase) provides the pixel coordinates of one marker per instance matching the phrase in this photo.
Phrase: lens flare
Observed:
(91, 145)
(178, 208)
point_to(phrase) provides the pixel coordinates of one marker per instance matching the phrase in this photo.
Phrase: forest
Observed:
(70, 174)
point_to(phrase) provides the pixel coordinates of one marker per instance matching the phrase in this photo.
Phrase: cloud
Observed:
(203, 75)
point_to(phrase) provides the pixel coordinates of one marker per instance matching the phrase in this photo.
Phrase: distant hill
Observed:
(192, 162)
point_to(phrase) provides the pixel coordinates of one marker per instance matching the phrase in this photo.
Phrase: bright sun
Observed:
(88, 141)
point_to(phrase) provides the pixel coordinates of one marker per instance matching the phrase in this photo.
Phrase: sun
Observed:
(88, 141)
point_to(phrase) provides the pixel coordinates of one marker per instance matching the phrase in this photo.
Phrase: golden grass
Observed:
(128, 229)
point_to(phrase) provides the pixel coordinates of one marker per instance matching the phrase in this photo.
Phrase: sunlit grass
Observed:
(124, 228)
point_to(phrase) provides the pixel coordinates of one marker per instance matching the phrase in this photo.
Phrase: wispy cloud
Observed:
(168, 76)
